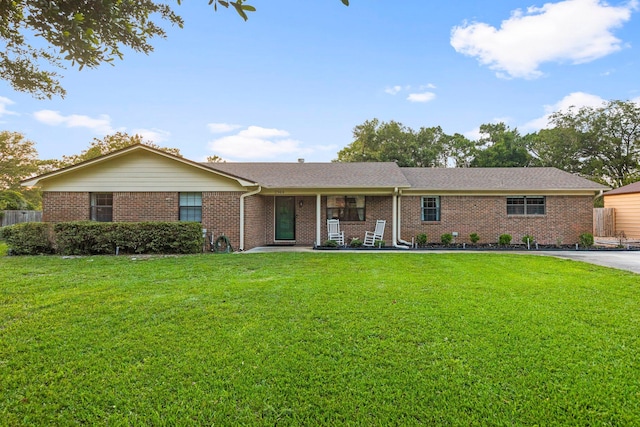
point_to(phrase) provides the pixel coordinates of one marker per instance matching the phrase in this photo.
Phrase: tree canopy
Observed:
(602, 144)
(89, 33)
(109, 143)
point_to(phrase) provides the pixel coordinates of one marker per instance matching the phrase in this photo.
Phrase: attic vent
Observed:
(300, 160)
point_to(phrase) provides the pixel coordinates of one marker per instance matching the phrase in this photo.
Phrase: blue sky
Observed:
(294, 80)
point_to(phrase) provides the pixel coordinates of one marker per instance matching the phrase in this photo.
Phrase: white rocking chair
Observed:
(370, 237)
(333, 230)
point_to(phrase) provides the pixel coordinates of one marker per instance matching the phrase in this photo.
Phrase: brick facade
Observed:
(61, 206)
(566, 217)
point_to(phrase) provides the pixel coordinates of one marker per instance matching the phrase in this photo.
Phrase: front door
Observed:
(285, 218)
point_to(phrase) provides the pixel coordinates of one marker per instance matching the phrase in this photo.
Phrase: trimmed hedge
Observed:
(102, 238)
(28, 238)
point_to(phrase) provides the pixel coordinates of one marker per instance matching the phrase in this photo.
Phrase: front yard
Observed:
(318, 339)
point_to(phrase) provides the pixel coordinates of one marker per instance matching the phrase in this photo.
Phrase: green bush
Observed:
(330, 244)
(28, 238)
(355, 243)
(379, 244)
(421, 239)
(474, 237)
(102, 238)
(504, 239)
(586, 240)
(528, 238)
(446, 238)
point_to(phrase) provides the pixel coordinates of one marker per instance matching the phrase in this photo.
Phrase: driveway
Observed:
(622, 260)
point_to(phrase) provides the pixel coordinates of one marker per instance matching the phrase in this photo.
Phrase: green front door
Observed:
(285, 218)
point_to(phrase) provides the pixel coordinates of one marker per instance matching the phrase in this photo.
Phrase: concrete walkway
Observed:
(622, 260)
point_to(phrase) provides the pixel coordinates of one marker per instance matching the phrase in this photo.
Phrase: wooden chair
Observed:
(333, 230)
(370, 237)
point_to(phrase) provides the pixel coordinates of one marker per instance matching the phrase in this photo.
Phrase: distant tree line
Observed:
(602, 144)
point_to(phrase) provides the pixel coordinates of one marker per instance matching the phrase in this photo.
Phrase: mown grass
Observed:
(318, 339)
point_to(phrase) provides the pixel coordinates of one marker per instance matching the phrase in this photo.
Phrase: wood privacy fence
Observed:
(604, 222)
(16, 217)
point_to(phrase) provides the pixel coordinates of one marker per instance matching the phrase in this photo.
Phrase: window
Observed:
(346, 208)
(191, 207)
(102, 207)
(526, 205)
(431, 208)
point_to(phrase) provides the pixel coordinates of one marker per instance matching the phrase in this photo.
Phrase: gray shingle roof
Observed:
(317, 175)
(483, 179)
(389, 175)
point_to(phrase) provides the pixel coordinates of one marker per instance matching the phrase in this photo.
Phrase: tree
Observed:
(603, 141)
(84, 33)
(504, 147)
(109, 143)
(215, 159)
(18, 160)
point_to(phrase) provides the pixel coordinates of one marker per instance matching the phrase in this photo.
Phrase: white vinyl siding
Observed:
(141, 172)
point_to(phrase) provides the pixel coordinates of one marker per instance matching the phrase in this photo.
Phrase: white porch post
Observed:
(318, 222)
(394, 222)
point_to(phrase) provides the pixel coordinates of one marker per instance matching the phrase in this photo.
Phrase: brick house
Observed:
(257, 204)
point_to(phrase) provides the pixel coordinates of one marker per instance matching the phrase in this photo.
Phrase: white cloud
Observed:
(4, 103)
(393, 90)
(154, 135)
(421, 97)
(222, 127)
(257, 142)
(100, 125)
(576, 100)
(572, 30)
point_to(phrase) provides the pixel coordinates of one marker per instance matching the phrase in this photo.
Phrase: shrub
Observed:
(330, 243)
(474, 237)
(28, 238)
(446, 238)
(586, 240)
(102, 238)
(379, 244)
(527, 238)
(504, 239)
(355, 243)
(421, 239)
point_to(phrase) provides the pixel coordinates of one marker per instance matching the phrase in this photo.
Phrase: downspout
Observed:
(398, 223)
(242, 197)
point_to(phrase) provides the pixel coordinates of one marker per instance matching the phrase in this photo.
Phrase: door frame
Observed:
(276, 217)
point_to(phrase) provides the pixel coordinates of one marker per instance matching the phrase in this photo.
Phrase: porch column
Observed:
(394, 222)
(318, 222)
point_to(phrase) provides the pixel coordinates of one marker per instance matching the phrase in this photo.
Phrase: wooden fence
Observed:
(16, 217)
(604, 222)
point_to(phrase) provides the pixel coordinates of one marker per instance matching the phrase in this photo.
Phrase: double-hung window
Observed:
(346, 208)
(102, 207)
(526, 205)
(431, 208)
(191, 207)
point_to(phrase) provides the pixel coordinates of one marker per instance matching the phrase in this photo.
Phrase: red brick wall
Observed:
(145, 206)
(566, 218)
(59, 206)
(221, 215)
(255, 229)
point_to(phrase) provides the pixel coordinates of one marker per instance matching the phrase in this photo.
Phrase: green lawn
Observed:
(318, 339)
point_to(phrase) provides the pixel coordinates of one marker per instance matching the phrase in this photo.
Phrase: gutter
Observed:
(397, 240)
(242, 197)
(401, 244)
